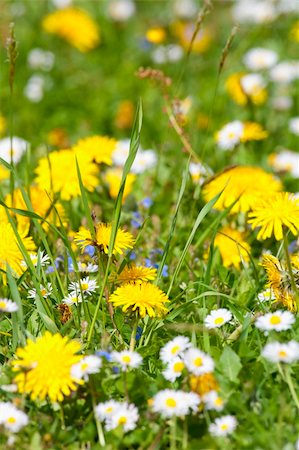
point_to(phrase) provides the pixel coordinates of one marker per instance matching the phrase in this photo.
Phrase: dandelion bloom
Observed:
(274, 214)
(113, 177)
(75, 26)
(10, 252)
(253, 132)
(123, 241)
(145, 298)
(44, 367)
(232, 247)
(279, 281)
(244, 88)
(41, 203)
(96, 148)
(58, 173)
(136, 274)
(202, 384)
(238, 186)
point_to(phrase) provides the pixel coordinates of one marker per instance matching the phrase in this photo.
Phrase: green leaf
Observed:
(230, 364)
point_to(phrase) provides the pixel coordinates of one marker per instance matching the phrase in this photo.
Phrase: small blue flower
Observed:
(89, 250)
(104, 354)
(133, 256)
(136, 222)
(146, 202)
(115, 369)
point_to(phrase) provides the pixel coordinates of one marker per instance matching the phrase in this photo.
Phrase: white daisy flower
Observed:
(223, 426)
(121, 10)
(212, 400)
(230, 135)
(198, 172)
(12, 418)
(105, 410)
(167, 54)
(45, 291)
(126, 416)
(73, 298)
(260, 58)
(285, 72)
(266, 295)
(286, 161)
(171, 403)
(87, 268)
(145, 160)
(278, 321)
(7, 305)
(86, 285)
(198, 362)
(252, 83)
(217, 318)
(282, 102)
(174, 348)
(88, 365)
(40, 257)
(19, 147)
(185, 9)
(278, 352)
(174, 369)
(294, 125)
(9, 387)
(61, 3)
(34, 89)
(127, 359)
(255, 11)
(40, 59)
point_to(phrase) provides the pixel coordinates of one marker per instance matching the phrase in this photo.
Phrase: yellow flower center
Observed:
(84, 366)
(2, 305)
(219, 320)
(231, 135)
(126, 359)
(84, 286)
(122, 420)
(11, 420)
(282, 354)
(34, 260)
(178, 366)
(275, 320)
(75, 299)
(175, 349)
(197, 362)
(218, 401)
(171, 402)
(224, 427)
(109, 410)
(43, 292)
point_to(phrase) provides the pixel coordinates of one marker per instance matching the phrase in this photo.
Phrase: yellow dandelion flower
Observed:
(234, 88)
(75, 26)
(185, 32)
(113, 178)
(144, 298)
(244, 88)
(232, 246)
(10, 252)
(124, 115)
(280, 282)
(253, 132)
(4, 173)
(136, 274)
(44, 367)
(238, 185)
(96, 148)
(124, 240)
(59, 174)
(155, 35)
(203, 384)
(41, 205)
(275, 213)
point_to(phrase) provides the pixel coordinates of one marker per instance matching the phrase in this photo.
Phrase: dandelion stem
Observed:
(289, 382)
(173, 434)
(289, 265)
(133, 334)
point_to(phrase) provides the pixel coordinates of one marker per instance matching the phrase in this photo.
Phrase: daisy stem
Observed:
(173, 434)
(289, 381)
(289, 265)
(185, 434)
(100, 432)
(94, 319)
(133, 334)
